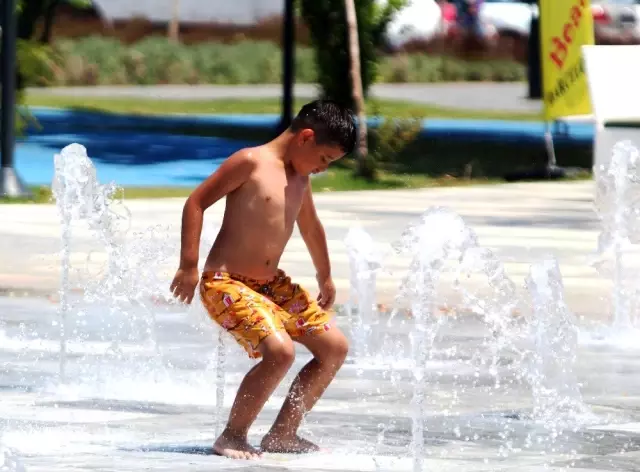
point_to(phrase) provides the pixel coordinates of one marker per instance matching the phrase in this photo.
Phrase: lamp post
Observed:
(534, 63)
(10, 184)
(288, 65)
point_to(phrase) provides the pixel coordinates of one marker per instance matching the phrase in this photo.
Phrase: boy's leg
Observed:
(256, 324)
(255, 389)
(329, 351)
(310, 326)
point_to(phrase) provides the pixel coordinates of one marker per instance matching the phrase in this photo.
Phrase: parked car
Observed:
(510, 23)
(616, 21)
(508, 17)
(419, 20)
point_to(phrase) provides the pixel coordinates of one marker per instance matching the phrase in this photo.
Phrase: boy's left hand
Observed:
(327, 294)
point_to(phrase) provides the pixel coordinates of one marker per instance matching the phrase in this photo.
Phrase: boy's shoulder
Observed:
(247, 153)
(261, 153)
(244, 160)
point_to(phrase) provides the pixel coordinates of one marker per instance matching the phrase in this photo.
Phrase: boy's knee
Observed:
(281, 354)
(336, 350)
(341, 348)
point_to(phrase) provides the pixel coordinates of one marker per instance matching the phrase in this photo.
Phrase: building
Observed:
(236, 12)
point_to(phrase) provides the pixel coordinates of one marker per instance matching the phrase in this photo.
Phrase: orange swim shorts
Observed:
(250, 310)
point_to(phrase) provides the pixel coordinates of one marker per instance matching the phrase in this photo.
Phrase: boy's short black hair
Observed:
(332, 123)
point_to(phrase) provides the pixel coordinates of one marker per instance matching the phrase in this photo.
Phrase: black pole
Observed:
(288, 65)
(10, 184)
(534, 59)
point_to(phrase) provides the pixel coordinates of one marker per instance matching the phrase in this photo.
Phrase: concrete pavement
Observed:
(504, 96)
(522, 223)
(143, 387)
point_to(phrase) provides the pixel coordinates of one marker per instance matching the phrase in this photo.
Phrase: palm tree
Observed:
(356, 84)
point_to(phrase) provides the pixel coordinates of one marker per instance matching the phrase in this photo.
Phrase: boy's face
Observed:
(312, 158)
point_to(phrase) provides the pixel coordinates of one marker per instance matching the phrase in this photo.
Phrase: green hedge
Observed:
(155, 60)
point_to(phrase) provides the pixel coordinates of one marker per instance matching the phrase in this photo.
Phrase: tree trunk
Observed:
(29, 15)
(173, 30)
(49, 18)
(356, 84)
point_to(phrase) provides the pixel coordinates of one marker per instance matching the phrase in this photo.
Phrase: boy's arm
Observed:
(231, 174)
(315, 239)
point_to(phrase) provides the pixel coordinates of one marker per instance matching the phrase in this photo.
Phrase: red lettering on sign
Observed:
(559, 45)
(567, 33)
(560, 52)
(576, 15)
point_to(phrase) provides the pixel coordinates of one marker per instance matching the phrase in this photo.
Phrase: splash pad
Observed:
(496, 379)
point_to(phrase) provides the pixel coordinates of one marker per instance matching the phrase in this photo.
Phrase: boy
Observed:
(268, 190)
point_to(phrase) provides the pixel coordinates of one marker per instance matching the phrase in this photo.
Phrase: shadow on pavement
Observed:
(191, 449)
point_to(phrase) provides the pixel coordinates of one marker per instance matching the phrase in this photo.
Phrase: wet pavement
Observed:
(127, 403)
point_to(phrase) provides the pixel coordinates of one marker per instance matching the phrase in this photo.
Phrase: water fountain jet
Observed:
(130, 273)
(429, 250)
(617, 203)
(364, 263)
(74, 187)
(554, 332)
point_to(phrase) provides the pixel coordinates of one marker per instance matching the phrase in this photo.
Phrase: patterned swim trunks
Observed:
(250, 310)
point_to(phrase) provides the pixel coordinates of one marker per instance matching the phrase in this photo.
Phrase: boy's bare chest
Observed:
(278, 198)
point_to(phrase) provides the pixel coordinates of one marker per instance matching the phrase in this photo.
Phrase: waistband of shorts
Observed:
(221, 275)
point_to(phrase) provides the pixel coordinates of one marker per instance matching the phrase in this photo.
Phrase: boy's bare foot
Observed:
(290, 445)
(234, 447)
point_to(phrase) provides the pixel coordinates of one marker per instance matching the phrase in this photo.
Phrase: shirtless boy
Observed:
(267, 190)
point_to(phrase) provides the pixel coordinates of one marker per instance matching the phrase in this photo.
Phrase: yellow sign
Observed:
(565, 26)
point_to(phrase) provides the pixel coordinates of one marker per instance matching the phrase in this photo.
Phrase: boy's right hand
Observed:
(184, 284)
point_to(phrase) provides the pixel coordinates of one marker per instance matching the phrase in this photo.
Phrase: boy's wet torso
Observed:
(259, 219)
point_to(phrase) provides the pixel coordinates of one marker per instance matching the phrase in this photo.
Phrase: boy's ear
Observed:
(306, 135)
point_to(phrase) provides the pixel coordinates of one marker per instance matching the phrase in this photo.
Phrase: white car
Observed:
(418, 20)
(614, 20)
(508, 17)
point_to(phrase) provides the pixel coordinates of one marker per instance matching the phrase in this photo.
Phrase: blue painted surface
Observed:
(129, 158)
(148, 153)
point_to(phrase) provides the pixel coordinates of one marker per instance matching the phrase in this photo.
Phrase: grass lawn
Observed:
(144, 106)
(335, 179)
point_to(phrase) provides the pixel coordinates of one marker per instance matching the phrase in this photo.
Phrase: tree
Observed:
(31, 53)
(173, 29)
(356, 88)
(327, 24)
(49, 17)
